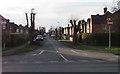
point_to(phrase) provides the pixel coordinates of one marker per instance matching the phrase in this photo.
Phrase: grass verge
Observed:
(93, 48)
(112, 48)
(4, 49)
(66, 41)
(77, 46)
(27, 48)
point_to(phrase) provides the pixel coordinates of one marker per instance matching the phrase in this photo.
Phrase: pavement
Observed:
(12, 50)
(53, 56)
(103, 50)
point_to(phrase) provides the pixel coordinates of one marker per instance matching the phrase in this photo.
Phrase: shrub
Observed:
(101, 39)
(15, 39)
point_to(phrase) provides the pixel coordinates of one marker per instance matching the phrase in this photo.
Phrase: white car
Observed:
(39, 37)
(52, 35)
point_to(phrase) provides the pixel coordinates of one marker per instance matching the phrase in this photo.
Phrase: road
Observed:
(54, 56)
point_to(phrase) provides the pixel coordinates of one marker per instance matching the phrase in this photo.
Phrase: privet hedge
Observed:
(15, 39)
(101, 39)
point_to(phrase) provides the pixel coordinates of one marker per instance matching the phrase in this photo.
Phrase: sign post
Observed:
(109, 23)
(109, 36)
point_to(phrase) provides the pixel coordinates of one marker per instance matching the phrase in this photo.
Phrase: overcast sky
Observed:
(50, 12)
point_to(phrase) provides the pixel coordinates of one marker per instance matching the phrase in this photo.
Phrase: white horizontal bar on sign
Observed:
(110, 22)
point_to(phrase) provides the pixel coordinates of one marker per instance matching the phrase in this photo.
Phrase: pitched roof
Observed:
(117, 12)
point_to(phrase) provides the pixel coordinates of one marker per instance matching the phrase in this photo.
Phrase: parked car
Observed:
(52, 36)
(39, 38)
(44, 35)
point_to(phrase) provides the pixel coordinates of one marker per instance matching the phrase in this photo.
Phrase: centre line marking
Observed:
(63, 57)
(41, 52)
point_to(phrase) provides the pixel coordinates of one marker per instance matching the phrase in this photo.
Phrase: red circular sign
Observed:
(110, 22)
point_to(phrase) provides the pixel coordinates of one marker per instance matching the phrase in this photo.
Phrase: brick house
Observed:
(98, 23)
(13, 27)
(116, 21)
(68, 31)
(4, 25)
(42, 30)
(22, 30)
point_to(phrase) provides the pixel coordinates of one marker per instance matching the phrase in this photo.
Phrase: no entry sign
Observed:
(109, 22)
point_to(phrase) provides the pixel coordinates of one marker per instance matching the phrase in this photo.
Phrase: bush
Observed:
(15, 39)
(101, 39)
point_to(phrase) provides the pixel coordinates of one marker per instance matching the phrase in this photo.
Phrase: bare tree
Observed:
(76, 26)
(115, 5)
(27, 20)
(51, 30)
(32, 27)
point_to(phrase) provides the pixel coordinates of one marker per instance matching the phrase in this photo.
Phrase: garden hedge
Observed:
(101, 39)
(15, 39)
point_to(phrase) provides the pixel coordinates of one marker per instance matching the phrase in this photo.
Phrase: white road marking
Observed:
(74, 51)
(78, 53)
(41, 52)
(63, 57)
(56, 50)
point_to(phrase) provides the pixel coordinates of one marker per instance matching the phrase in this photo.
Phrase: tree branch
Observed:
(78, 28)
(71, 22)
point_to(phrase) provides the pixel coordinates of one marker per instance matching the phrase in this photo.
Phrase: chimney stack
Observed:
(105, 10)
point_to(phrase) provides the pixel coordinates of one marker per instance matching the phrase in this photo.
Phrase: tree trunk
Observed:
(75, 36)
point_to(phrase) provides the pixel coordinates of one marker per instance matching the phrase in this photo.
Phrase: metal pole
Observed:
(109, 36)
(4, 45)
